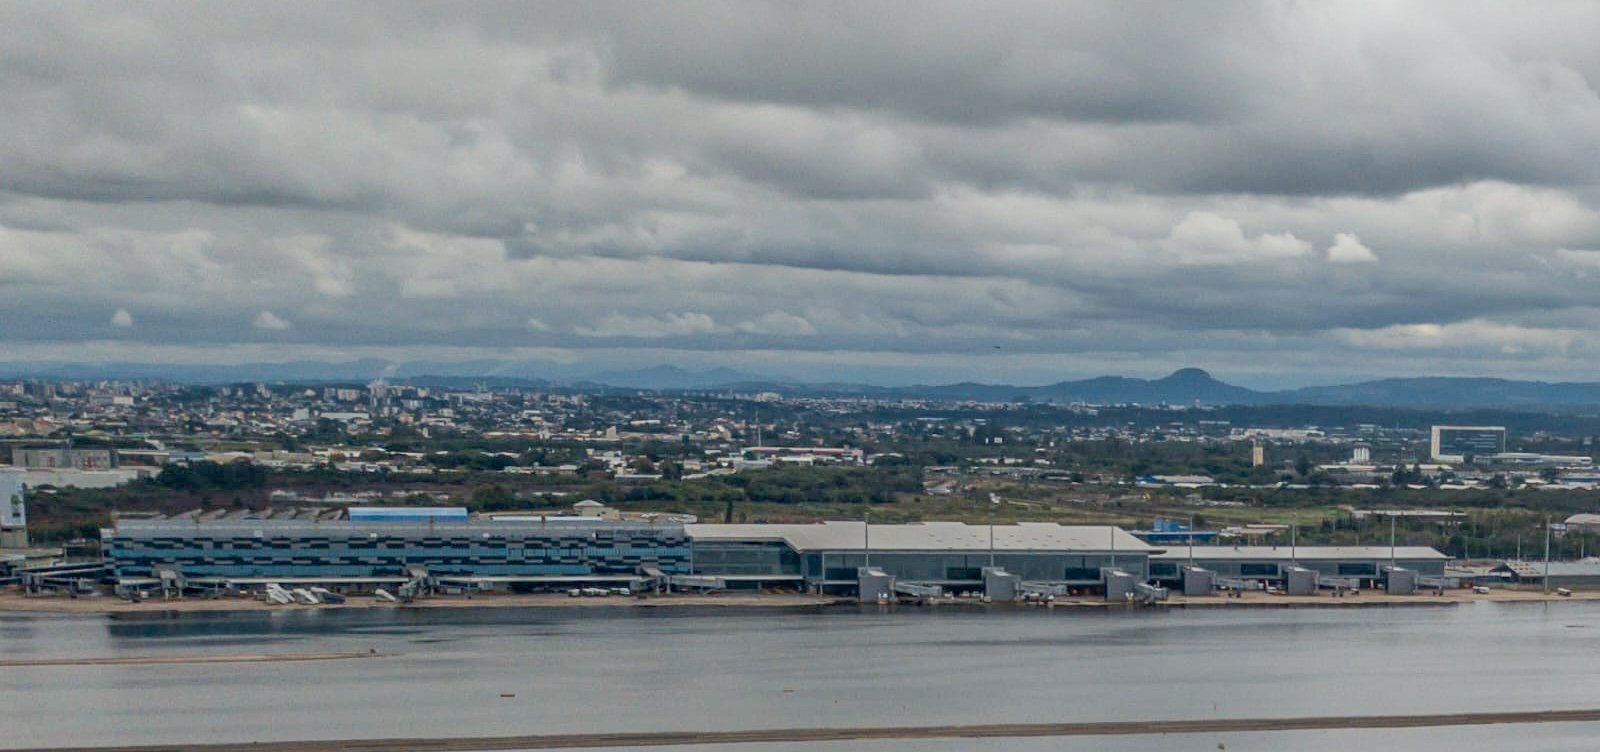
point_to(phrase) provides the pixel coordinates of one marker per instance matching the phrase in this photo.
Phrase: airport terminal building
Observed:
(426, 549)
(822, 557)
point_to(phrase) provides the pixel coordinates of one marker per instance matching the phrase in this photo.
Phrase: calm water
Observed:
(577, 670)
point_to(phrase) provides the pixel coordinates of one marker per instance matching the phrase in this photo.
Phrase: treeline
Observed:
(779, 485)
(207, 476)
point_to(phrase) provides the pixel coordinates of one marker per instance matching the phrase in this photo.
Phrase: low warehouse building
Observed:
(1584, 573)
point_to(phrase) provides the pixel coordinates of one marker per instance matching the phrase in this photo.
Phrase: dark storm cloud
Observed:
(1296, 185)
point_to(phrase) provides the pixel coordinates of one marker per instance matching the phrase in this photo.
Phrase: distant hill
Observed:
(1450, 393)
(672, 377)
(1185, 386)
(1194, 386)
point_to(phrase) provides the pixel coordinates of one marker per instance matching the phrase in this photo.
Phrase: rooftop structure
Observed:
(408, 514)
(1440, 515)
(929, 536)
(1535, 458)
(1303, 553)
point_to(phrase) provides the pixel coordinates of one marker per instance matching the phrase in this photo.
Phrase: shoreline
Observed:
(634, 739)
(165, 660)
(15, 603)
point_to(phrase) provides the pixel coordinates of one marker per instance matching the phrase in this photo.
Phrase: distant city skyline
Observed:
(1284, 194)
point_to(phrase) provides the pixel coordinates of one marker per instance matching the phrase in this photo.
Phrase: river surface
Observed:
(442, 672)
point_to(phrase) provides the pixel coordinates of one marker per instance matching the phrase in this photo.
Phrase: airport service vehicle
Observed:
(327, 596)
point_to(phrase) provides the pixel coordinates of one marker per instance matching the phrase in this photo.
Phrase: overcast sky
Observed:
(1281, 193)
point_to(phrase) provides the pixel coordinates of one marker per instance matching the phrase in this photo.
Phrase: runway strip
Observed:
(672, 738)
(159, 660)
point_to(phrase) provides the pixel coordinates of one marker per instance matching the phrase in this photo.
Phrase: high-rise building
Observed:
(13, 510)
(1258, 454)
(1457, 443)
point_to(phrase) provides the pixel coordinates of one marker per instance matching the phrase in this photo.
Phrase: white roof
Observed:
(1301, 553)
(929, 536)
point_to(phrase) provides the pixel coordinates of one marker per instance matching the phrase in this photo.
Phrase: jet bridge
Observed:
(1399, 580)
(696, 582)
(1044, 589)
(418, 583)
(874, 584)
(1432, 583)
(1146, 593)
(1198, 581)
(1119, 584)
(918, 591)
(1000, 585)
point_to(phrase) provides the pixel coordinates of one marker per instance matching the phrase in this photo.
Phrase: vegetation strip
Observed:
(762, 736)
(157, 660)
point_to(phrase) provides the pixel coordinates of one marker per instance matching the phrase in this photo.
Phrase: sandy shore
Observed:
(17, 603)
(162, 660)
(813, 735)
(1379, 598)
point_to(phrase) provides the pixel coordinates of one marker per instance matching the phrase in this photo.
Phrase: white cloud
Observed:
(1204, 238)
(1578, 263)
(650, 327)
(1347, 249)
(537, 325)
(122, 319)
(269, 321)
(1475, 335)
(331, 275)
(780, 323)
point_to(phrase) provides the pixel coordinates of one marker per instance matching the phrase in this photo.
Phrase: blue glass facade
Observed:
(363, 549)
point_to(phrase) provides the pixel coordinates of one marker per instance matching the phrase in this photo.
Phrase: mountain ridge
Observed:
(1185, 386)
